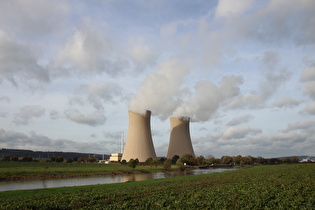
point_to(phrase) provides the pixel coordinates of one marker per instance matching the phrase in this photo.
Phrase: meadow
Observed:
(36, 170)
(287, 186)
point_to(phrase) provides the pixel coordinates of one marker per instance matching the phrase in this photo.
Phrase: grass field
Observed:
(263, 187)
(36, 170)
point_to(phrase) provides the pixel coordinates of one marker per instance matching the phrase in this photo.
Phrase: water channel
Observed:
(106, 179)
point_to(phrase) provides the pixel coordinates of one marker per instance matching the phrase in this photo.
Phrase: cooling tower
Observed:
(180, 142)
(139, 139)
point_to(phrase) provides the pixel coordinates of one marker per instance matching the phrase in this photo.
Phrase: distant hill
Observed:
(20, 153)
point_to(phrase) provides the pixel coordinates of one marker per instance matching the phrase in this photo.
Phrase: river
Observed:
(106, 179)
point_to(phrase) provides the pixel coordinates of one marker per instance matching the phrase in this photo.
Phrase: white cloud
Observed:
(230, 8)
(308, 74)
(19, 63)
(20, 17)
(161, 90)
(5, 99)
(286, 102)
(27, 113)
(101, 93)
(238, 133)
(310, 108)
(208, 97)
(90, 51)
(54, 115)
(34, 141)
(304, 125)
(92, 119)
(242, 119)
(142, 56)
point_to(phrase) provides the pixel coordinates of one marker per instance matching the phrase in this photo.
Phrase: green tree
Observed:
(167, 165)
(180, 165)
(189, 159)
(6, 158)
(59, 159)
(14, 158)
(149, 161)
(133, 163)
(226, 159)
(174, 159)
(27, 159)
(200, 160)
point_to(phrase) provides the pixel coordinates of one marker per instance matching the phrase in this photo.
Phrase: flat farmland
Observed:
(262, 187)
(35, 170)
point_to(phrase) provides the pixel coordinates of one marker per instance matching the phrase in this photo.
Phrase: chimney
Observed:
(180, 142)
(139, 142)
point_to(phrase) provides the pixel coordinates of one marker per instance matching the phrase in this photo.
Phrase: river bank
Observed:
(271, 187)
(14, 171)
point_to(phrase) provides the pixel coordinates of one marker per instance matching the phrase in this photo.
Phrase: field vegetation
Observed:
(38, 170)
(27, 168)
(286, 186)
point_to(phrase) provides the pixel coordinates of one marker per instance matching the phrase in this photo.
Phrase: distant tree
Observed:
(189, 159)
(174, 159)
(53, 159)
(149, 161)
(6, 158)
(82, 160)
(133, 163)
(14, 158)
(123, 162)
(161, 160)
(75, 159)
(237, 159)
(167, 164)
(69, 160)
(59, 159)
(200, 160)
(27, 159)
(295, 159)
(226, 159)
(210, 159)
(180, 165)
(91, 160)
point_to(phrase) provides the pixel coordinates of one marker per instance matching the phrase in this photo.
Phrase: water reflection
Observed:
(39, 184)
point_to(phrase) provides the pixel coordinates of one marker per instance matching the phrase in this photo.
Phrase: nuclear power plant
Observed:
(139, 142)
(180, 142)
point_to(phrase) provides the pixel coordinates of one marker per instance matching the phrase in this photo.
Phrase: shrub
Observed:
(167, 165)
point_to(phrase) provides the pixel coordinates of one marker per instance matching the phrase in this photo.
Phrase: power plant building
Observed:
(180, 141)
(139, 142)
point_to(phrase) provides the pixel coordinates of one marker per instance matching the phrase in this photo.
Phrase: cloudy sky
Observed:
(243, 71)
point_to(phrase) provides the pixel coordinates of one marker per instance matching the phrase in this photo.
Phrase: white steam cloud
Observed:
(164, 93)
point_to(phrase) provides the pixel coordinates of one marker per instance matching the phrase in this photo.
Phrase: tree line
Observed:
(189, 159)
(186, 159)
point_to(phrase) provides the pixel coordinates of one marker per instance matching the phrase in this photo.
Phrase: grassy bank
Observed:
(35, 170)
(264, 187)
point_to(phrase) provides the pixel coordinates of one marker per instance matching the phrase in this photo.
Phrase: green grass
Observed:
(264, 187)
(36, 170)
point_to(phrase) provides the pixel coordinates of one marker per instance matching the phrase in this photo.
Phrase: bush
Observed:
(149, 161)
(6, 158)
(133, 163)
(174, 159)
(167, 165)
(180, 165)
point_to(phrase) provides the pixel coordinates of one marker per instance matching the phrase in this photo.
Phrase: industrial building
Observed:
(180, 141)
(139, 142)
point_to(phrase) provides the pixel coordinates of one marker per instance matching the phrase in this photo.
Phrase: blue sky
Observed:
(243, 71)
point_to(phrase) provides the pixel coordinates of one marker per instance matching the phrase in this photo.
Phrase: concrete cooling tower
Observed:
(139, 142)
(180, 142)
